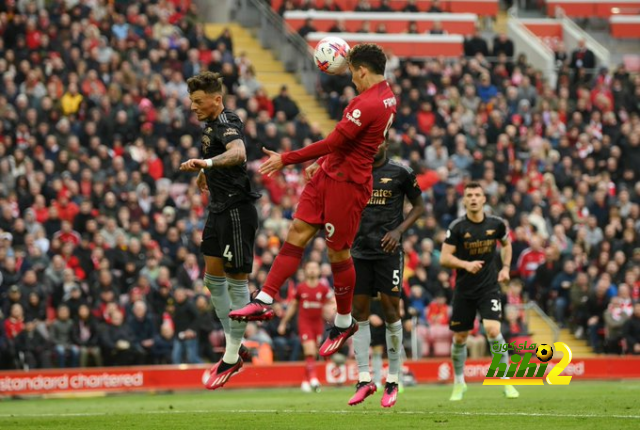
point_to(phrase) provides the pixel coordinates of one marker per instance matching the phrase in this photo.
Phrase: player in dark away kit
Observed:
(229, 233)
(470, 248)
(377, 256)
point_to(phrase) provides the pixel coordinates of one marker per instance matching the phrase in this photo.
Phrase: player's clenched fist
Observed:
(193, 165)
(474, 267)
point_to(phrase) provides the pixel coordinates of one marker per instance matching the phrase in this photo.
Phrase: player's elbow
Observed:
(445, 261)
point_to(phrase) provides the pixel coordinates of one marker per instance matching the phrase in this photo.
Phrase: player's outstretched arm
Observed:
(391, 240)
(233, 156)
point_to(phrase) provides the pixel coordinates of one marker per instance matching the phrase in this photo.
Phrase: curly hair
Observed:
(370, 56)
(209, 82)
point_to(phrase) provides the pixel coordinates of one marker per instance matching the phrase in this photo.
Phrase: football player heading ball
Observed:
(339, 189)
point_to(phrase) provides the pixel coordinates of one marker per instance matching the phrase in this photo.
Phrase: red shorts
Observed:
(336, 205)
(310, 331)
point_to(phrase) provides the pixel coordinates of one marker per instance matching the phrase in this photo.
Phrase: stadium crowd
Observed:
(100, 231)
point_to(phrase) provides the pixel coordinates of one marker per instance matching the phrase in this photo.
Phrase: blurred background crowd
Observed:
(100, 231)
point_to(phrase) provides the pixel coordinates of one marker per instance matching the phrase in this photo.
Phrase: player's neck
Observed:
(312, 283)
(380, 162)
(372, 80)
(476, 217)
(216, 114)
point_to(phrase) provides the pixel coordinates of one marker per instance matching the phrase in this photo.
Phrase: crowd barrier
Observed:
(189, 377)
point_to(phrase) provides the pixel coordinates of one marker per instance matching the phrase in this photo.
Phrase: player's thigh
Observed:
(310, 207)
(388, 275)
(237, 238)
(463, 314)
(343, 206)
(364, 277)
(210, 244)
(490, 308)
(214, 266)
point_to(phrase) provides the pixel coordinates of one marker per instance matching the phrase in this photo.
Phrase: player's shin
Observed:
(458, 356)
(503, 350)
(285, 265)
(344, 278)
(361, 342)
(217, 286)
(376, 364)
(239, 295)
(393, 336)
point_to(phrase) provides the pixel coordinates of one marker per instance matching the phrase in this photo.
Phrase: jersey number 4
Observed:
(227, 253)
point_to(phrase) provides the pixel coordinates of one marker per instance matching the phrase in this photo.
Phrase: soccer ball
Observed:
(544, 352)
(331, 55)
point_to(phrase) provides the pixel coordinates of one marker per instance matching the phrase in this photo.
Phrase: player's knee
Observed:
(360, 309)
(338, 256)
(460, 337)
(493, 332)
(300, 233)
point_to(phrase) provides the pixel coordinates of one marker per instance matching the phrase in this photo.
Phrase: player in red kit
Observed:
(309, 301)
(337, 193)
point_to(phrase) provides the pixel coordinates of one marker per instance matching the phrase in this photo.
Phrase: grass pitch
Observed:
(585, 405)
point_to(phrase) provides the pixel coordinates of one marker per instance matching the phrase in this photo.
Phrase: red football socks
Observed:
(310, 367)
(344, 278)
(285, 265)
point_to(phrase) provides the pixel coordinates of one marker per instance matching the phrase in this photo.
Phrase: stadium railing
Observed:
(395, 22)
(291, 49)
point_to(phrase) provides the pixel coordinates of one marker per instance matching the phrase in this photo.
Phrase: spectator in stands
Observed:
(410, 6)
(363, 6)
(383, 7)
(86, 336)
(33, 348)
(437, 28)
(631, 331)
(205, 326)
(596, 306)
(338, 27)
(330, 6)
(142, 327)
(436, 7)
(582, 58)
(502, 45)
(62, 339)
(475, 44)
(186, 340)
(284, 103)
(366, 27)
(614, 319)
(162, 350)
(561, 290)
(306, 28)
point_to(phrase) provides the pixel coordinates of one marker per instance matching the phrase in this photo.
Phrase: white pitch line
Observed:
(318, 411)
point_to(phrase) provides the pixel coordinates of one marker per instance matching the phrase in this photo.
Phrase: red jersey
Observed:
(365, 123)
(312, 300)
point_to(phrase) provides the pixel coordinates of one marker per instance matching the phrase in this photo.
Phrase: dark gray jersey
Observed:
(228, 186)
(391, 183)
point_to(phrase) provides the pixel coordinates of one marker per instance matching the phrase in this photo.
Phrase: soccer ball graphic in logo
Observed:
(331, 55)
(544, 352)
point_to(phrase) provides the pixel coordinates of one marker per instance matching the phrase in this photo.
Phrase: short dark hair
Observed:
(370, 56)
(473, 184)
(209, 82)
